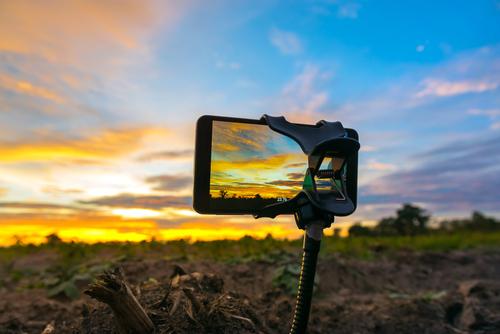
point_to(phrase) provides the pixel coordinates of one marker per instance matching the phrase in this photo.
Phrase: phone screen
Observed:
(252, 166)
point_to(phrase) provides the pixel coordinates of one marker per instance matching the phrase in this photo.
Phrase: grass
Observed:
(71, 262)
(248, 248)
(436, 242)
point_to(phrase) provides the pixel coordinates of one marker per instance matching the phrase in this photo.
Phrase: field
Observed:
(434, 283)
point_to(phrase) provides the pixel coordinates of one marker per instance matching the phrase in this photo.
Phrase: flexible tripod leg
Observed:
(312, 242)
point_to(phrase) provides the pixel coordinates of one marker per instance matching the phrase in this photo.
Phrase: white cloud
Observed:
(442, 87)
(380, 166)
(491, 113)
(303, 83)
(446, 48)
(287, 42)
(301, 97)
(368, 148)
(232, 65)
(349, 10)
(246, 83)
(420, 48)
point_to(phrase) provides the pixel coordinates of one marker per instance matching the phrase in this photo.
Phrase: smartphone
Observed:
(242, 165)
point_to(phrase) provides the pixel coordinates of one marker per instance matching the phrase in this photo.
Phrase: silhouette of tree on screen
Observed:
(223, 193)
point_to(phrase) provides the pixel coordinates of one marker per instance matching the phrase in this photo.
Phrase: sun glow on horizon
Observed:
(36, 233)
(136, 213)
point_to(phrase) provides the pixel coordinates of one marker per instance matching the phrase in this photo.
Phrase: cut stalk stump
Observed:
(112, 289)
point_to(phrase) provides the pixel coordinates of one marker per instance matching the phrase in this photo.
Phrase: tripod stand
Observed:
(311, 247)
(315, 207)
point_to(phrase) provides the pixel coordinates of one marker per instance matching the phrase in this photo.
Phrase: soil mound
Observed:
(188, 303)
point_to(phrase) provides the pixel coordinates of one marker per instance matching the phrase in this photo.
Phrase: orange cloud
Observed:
(25, 87)
(58, 50)
(170, 182)
(61, 31)
(269, 177)
(185, 154)
(58, 191)
(141, 201)
(89, 149)
(36, 206)
(273, 162)
(438, 87)
(381, 166)
(264, 176)
(238, 136)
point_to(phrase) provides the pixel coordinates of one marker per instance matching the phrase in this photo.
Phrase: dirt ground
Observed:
(410, 292)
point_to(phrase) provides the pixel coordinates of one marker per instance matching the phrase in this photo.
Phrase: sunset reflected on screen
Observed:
(253, 166)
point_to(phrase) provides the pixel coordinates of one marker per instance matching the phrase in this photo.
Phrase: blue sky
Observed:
(410, 76)
(98, 100)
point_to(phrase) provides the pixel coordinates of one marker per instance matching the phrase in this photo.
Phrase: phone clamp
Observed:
(316, 206)
(321, 142)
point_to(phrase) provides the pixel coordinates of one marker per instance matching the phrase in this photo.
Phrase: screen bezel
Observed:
(203, 156)
(352, 171)
(203, 162)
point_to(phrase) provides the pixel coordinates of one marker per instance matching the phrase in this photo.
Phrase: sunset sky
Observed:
(99, 99)
(251, 159)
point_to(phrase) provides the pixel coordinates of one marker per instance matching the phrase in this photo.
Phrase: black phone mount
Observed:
(314, 208)
(325, 140)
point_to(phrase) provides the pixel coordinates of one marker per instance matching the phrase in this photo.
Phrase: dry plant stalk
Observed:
(50, 328)
(112, 289)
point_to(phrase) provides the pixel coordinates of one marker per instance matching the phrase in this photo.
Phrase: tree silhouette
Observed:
(359, 230)
(223, 193)
(53, 239)
(409, 220)
(479, 221)
(387, 226)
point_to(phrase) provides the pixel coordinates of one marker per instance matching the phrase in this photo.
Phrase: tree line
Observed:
(412, 220)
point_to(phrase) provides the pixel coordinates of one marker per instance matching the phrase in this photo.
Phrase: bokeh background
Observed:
(98, 103)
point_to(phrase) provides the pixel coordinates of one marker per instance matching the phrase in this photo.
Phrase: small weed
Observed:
(286, 277)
